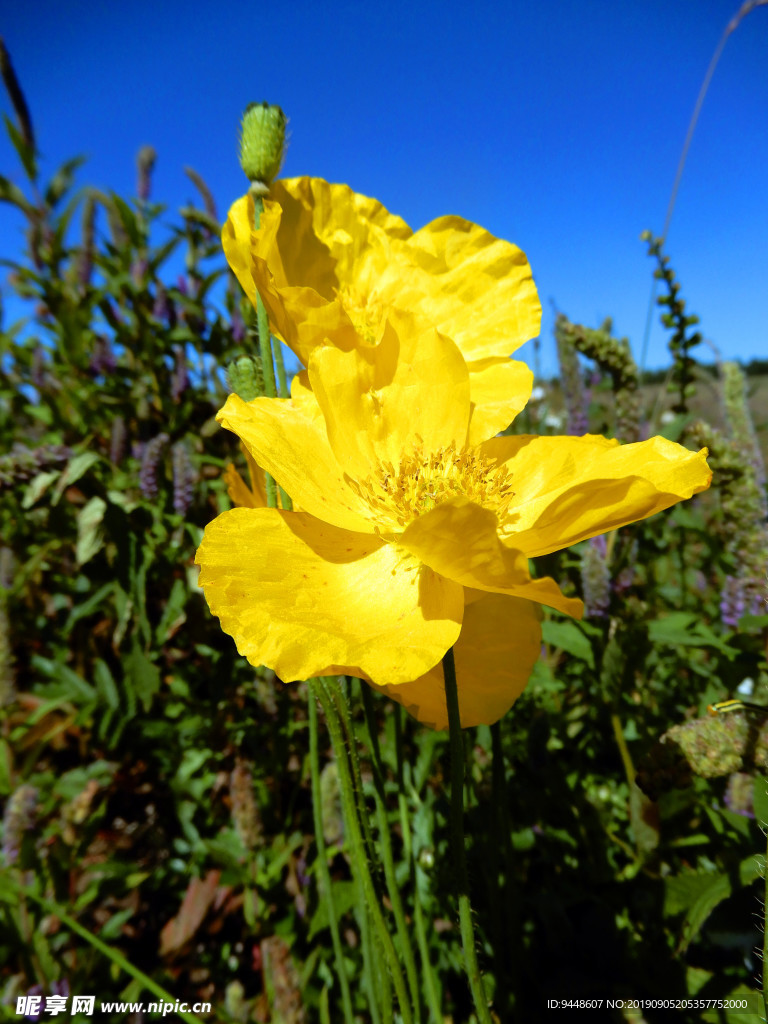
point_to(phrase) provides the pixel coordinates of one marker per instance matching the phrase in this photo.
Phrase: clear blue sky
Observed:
(557, 125)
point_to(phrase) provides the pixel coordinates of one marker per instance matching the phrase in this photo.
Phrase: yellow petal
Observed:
(499, 645)
(498, 392)
(459, 540)
(305, 598)
(290, 443)
(382, 402)
(315, 240)
(475, 288)
(327, 260)
(239, 492)
(571, 488)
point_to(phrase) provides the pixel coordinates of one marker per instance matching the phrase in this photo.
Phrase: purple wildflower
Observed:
(184, 478)
(149, 462)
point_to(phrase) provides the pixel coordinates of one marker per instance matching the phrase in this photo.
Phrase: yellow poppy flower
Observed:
(407, 530)
(330, 264)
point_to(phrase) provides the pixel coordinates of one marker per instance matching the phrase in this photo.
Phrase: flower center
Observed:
(422, 480)
(365, 312)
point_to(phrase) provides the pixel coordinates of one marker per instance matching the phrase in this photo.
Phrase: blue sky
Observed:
(557, 125)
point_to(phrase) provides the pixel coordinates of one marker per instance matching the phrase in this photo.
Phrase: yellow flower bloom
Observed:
(331, 264)
(408, 530)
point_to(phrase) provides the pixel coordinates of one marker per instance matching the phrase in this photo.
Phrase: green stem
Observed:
(386, 851)
(326, 888)
(765, 934)
(282, 380)
(430, 981)
(116, 957)
(358, 847)
(265, 350)
(457, 841)
(342, 707)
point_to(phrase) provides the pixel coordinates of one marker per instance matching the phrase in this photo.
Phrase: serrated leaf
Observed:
(568, 637)
(705, 891)
(89, 534)
(142, 676)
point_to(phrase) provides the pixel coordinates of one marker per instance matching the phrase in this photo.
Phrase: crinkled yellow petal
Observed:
(323, 253)
(570, 488)
(303, 597)
(499, 645)
(315, 240)
(458, 539)
(471, 286)
(299, 315)
(382, 402)
(291, 444)
(497, 392)
(331, 235)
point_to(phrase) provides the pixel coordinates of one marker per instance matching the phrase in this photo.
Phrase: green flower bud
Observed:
(262, 142)
(246, 378)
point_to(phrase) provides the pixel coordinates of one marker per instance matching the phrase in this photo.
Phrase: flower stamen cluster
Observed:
(422, 480)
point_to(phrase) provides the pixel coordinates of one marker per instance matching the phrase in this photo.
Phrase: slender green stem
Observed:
(332, 685)
(359, 861)
(457, 841)
(114, 955)
(386, 853)
(326, 888)
(282, 380)
(765, 928)
(265, 350)
(372, 981)
(430, 981)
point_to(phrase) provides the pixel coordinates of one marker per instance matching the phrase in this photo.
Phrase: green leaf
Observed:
(142, 675)
(568, 637)
(26, 152)
(89, 533)
(760, 799)
(71, 685)
(62, 180)
(702, 892)
(77, 466)
(686, 629)
(128, 220)
(105, 684)
(344, 899)
(38, 486)
(6, 768)
(10, 193)
(94, 603)
(174, 615)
